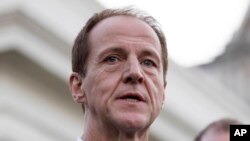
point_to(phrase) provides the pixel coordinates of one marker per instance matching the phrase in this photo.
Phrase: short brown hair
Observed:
(81, 48)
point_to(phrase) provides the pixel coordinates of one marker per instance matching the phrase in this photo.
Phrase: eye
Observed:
(149, 63)
(111, 59)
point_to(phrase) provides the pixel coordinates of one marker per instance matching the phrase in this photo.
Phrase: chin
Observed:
(134, 122)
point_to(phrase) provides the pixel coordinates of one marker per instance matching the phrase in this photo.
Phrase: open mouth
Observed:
(132, 97)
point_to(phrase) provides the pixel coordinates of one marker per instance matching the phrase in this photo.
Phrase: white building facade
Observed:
(35, 104)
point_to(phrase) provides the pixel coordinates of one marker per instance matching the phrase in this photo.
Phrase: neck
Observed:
(99, 131)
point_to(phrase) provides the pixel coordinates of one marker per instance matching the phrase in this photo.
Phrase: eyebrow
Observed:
(118, 50)
(150, 53)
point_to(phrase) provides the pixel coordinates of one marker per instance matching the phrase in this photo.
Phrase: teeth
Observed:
(131, 100)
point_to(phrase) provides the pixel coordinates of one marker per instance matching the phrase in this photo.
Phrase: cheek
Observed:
(113, 68)
(155, 87)
(156, 74)
(152, 72)
(105, 77)
(100, 84)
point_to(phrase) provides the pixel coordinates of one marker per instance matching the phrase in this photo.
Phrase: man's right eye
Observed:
(111, 59)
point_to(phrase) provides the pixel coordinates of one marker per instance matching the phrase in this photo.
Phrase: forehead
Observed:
(124, 26)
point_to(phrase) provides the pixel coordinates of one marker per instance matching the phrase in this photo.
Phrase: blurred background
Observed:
(208, 78)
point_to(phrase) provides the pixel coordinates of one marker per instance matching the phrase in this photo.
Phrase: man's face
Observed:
(124, 84)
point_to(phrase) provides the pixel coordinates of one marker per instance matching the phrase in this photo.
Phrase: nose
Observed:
(132, 72)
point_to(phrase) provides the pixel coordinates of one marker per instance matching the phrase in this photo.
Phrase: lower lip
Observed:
(131, 102)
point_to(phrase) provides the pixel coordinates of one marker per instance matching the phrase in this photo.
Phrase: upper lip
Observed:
(134, 95)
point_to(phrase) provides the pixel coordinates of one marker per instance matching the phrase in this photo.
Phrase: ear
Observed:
(164, 95)
(165, 90)
(163, 101)
(165, 85)
(76, 88)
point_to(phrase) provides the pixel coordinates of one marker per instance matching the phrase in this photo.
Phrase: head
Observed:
(81, 48)
(217, 131)
(119, 62)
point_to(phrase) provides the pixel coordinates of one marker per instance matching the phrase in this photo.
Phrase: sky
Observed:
(197, 31)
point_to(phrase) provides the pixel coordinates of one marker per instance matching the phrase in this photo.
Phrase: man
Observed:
(217, 131)
(119, 62)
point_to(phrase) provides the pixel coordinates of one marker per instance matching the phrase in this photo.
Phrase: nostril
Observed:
(128, 79)
(140, 80)
(133, 79)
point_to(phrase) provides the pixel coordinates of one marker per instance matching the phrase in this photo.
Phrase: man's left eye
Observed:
(148, 63)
